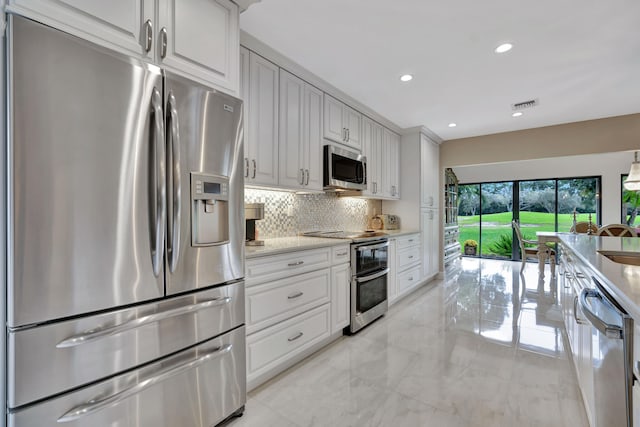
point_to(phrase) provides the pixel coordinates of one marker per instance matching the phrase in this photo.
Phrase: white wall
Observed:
(607, 165)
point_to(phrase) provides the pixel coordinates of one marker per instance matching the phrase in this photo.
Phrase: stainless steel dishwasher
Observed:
(611, 357)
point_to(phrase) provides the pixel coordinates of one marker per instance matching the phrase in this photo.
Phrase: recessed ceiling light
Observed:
(517, 114)
(505, 47)
(406, 77)
(452, 125)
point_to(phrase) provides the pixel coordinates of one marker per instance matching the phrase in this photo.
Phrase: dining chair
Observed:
(532, 252)
(617, 230)
(583, 228)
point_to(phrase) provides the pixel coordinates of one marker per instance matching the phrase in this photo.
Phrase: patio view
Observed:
(487, 209)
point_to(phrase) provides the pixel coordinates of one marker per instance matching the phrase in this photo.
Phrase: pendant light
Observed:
(633, 179)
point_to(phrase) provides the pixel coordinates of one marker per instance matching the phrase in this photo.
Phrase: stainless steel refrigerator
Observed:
(125, 219)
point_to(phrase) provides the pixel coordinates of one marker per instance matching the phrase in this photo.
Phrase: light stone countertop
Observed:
(281, 245)
(621, 280)
(396, 233)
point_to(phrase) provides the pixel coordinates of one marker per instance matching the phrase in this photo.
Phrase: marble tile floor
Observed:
(484, 347)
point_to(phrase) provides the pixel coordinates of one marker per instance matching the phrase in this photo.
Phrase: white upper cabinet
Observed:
(200, 38)
(372, 150)
(117, 24)
(196, 38)
(342, 123)
(300, 145)
(390, 165)
(429, 172)
(261, 143)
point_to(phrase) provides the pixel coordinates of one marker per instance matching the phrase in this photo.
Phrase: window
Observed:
(630, 205)
(487, 209)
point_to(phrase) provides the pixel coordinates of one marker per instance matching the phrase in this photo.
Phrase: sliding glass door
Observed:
(487, 209)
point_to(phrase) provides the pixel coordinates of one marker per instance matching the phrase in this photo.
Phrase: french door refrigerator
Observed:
(125, 292)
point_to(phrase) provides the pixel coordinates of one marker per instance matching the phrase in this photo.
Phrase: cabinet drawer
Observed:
(273, 346)
(272, 302)
(408, 279)
(269, 268)
(341, 254)
(407, 241)
(408, 256)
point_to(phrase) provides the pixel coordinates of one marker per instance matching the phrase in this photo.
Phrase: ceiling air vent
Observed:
(526, 104)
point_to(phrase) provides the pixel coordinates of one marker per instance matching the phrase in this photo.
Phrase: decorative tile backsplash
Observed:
(289, 214)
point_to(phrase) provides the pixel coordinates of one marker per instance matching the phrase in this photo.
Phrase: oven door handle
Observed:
(373, 276)
(371, 247)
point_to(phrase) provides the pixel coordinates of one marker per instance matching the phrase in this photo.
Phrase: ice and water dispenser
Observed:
(209, 209)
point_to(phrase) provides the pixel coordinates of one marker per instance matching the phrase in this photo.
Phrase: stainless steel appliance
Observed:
(369, 270)
(125, 298)
(612, 357)
(253, 212)
(344, 169)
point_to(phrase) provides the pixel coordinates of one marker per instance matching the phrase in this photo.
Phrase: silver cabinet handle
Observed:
(410, 256)
(99, 402)
(255, 166)
(102, 332)
(293, 264)
(575, 312)
(295, 337)
(301, 177)
(158, 179)
(246, 167)
(163, 42)
(174, 183)
(348, 136)
(342, 254)
(148, 35)
(296, 295)
(411, 279)
(306, 182)
(410, 240)
(580, 275)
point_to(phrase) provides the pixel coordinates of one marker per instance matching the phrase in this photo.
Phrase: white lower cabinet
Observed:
(295, 303)
(269, 350)
(405, 266)
(340, 297)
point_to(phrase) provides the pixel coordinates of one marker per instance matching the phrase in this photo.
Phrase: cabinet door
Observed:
(394, 165)
(200, 38)
(334, 127)
(340, 297)
(392, 281)
(352, 122)
(430, 246)
(292, 168)
(263, 121)
(244, 95)
(384, 175)
(429, 171)
(117, 24)
(368, 147)
(313, 137)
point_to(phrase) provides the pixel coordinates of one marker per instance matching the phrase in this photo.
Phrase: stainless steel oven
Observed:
(369, 270)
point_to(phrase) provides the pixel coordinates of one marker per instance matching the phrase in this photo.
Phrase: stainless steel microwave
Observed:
(344, 169)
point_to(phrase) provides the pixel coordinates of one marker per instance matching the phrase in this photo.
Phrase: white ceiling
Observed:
(579, 58)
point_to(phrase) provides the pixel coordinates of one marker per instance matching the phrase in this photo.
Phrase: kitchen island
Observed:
(600, 282)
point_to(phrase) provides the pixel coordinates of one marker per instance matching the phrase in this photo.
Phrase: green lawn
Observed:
(496, 224)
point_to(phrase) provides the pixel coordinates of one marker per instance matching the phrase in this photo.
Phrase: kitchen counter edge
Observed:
(621, 280)
(280, 245)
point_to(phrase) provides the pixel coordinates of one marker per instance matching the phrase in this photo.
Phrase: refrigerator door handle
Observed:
(158, 179)
(609, 330)
(108, 331)
(173, 183)
(98, 403)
